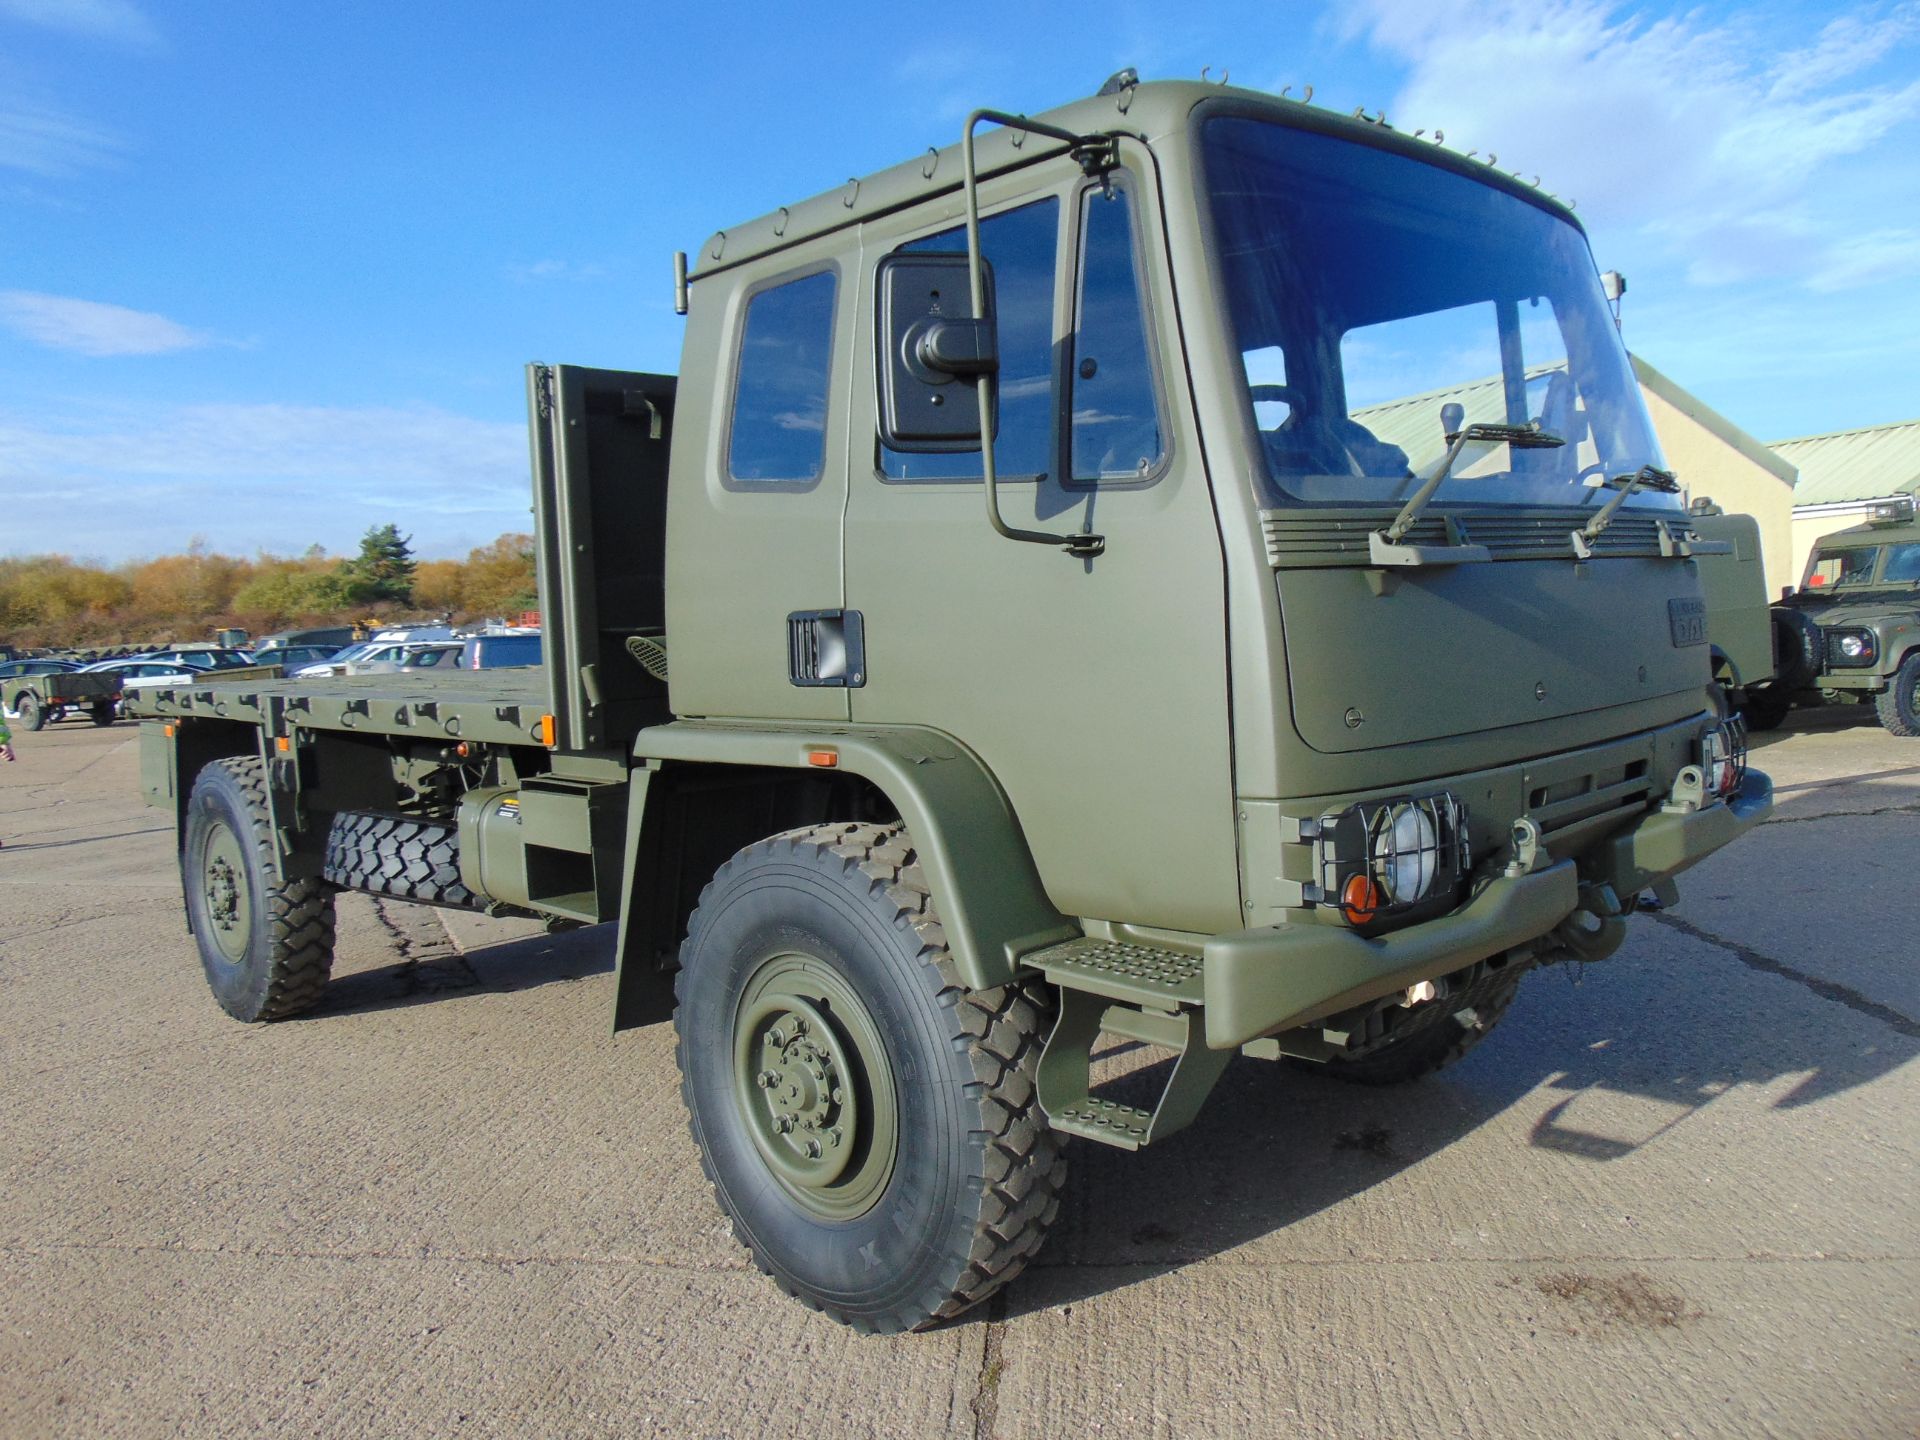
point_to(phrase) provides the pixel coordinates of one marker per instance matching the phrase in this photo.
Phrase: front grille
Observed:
(1301, 538)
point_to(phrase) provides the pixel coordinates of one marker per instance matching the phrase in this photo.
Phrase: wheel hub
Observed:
(223, 893)
(813, 1085)
(807, 1111)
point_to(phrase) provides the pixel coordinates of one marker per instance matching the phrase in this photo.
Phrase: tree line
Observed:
(54, 600)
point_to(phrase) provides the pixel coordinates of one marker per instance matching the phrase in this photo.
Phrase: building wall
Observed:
(1711, 468)
(1810, 524)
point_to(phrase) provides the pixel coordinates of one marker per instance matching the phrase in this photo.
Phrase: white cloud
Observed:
(144, 480)
(554, 270)
(88, 327)
(45, 140)
(1719, 139)
(117, 20)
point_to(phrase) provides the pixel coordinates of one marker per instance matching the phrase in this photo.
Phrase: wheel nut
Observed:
(813, 1150)
(766, 1079)
(839, 1096)
(784, 1124)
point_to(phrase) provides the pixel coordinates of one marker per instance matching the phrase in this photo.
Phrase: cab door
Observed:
(1094, 689)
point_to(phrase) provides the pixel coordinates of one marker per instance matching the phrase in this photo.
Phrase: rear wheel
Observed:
(869, 1124)
(1899, 704)
(33, 715)
(266, 945)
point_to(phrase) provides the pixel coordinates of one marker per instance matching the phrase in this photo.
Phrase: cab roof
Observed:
(1147, 111)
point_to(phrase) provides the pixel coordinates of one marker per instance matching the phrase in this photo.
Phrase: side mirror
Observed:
(933, 350)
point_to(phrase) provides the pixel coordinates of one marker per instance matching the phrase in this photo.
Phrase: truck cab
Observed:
(1186, 566)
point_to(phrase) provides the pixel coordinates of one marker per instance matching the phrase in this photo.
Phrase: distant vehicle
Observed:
(39, 700)
(1851, 632)
(141, 672)
(387, 659)
(327, 637)
(19, 670)
(429, 657)
(292, 657)
(416, 632)
(202, 657)
(36, 667)
(499, 652)
(336, 663)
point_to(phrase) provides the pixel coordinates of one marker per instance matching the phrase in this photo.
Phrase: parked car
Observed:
(203, 657)
(443, 655)
(142, 672)
(494, 652)
(330, 638)
(336, 663)
(387, 660)
(292, 657)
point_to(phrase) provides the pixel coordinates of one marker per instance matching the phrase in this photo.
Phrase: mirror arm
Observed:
(1083, 545)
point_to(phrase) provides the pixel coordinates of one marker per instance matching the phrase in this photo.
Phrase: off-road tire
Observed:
(102, 713)
(33, 715)
(1433, 1042)
(1800, 648)
(391, 855)
(976, 1172)
(1765, 707)
(285, 950)
(1899, 704)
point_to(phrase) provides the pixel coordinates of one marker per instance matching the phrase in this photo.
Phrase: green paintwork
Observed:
(814, 1087)
(991, 902)
(1108, 764)
(1891, 611)
(1734, 585)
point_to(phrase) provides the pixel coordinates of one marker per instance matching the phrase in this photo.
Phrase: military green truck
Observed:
(1181, 709)
(1851, 632)
(1743, 636)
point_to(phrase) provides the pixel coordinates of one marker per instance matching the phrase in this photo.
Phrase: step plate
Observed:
(1137, 974)
(1105, 1121)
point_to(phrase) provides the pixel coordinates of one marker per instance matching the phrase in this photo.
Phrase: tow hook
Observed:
(1597, 928)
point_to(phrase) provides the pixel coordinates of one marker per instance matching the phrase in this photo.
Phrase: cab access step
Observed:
(1138, 992)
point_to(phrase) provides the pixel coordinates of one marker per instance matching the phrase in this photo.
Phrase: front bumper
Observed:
(1260, 981)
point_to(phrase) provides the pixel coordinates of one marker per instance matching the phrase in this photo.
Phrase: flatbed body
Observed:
(501, 707)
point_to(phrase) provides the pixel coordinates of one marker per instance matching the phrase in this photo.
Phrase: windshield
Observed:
(1381, 303)
(1854, 567)
(1841, 569)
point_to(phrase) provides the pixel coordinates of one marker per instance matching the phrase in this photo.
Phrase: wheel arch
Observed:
(979, 869)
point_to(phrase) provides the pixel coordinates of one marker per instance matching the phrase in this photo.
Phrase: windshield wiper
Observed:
(1649, 477)
(1384, 547)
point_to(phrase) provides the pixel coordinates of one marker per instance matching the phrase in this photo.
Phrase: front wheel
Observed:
(1899, 704)
(1766, 706)
(869, 1124)
(1433, 1041)
(266, 944)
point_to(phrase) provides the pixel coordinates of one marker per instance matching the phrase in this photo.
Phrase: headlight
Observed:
(1723, 756)
(1851, 648)
(1385, 857)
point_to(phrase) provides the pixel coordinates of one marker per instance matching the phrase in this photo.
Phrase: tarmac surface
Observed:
(1673, 1195)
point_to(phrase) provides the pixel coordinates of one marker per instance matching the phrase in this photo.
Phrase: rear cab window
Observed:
(778, 434)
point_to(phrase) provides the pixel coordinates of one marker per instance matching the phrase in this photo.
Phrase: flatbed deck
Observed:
(503, 706)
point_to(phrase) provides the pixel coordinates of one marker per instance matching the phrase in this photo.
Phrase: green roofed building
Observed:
(1714, 458)
(1843, 473)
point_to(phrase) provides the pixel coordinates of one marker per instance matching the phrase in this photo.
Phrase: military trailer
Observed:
(41, 700)
(1006, 631)
(1851, 633)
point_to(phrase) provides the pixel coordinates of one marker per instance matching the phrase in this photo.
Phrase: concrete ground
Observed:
(1671, 1196)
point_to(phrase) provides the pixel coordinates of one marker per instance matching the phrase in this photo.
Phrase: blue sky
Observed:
(268, 273)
